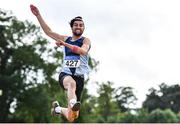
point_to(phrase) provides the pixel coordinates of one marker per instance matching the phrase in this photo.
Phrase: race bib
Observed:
(72, 61)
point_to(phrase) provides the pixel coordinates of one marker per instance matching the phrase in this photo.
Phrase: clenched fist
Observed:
(60, 43)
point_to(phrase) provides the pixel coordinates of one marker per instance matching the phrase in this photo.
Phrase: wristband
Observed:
(75, 49)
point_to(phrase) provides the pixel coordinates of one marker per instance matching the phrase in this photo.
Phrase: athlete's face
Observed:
(78, 28)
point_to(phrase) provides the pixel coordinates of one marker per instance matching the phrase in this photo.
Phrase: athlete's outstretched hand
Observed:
(60, 43)
(34, 10)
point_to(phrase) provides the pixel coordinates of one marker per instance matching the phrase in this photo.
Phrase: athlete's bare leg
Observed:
(70, 85)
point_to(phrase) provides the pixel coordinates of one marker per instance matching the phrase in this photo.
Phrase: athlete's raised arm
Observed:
(44, 26)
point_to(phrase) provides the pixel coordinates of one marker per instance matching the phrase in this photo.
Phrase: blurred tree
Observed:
(125, 97)
(178, 117)
(153, 100)
(162, 116)
(155, 116)
(23, 67)
(165, 97)
(136, 116)
(106, 109)
(126, 117)
(110, 103)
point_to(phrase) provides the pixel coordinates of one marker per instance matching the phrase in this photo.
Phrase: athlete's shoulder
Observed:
(66, 38)
(86, 39)
(87, 43)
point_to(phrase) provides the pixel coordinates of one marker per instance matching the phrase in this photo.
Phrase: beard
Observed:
(77, 33)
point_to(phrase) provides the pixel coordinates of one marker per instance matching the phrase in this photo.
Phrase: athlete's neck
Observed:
(75, 37)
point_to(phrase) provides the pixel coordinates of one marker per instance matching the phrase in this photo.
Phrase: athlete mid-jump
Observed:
(75, 63)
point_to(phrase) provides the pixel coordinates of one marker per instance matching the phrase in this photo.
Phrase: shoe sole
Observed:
(55, 104)
(76, 106)
(53, 113)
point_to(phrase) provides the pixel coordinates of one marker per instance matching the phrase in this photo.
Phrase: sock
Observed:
(58, 109)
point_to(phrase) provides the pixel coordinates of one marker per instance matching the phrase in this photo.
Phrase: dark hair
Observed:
(78, 18)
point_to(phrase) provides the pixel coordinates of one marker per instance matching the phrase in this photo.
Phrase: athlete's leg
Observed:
(70, 85)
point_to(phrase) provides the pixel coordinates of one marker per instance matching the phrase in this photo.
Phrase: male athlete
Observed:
(75, 65)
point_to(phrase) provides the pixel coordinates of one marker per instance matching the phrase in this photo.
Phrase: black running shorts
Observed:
(79, 83)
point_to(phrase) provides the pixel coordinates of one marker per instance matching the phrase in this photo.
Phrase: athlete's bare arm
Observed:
(83, 50)
(44, 26)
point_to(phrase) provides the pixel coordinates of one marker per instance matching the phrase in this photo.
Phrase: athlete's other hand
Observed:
(60, 43)
(34, 10)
